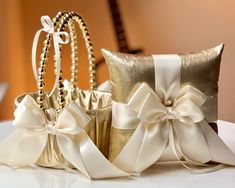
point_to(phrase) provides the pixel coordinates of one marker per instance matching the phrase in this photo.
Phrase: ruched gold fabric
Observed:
(127, 72)
(97, 105)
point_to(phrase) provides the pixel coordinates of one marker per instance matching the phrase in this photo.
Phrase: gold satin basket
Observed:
(97, 104)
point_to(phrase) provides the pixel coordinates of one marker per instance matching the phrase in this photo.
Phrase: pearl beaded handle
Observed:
(60, 22)
(72, 18)
(44, 57)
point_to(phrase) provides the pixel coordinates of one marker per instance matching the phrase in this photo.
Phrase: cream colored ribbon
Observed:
(170, 117)
(25, 145)
(48, 27)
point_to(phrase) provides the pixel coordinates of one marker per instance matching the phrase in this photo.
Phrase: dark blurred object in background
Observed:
(3, 89)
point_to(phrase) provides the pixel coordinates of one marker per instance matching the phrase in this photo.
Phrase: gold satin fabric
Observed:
(127, 72)
(97, 105)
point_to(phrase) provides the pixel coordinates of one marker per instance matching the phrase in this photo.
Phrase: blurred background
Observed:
(153, 26)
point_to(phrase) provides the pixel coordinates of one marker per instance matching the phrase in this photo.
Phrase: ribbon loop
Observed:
(47, 24)
(59, 38)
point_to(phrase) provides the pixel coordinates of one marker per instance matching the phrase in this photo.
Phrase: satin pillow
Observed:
(127, 71)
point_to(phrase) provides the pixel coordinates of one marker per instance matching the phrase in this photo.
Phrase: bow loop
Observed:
(190, 93)
(59, 38)
(189, 112)
(29, 116)
(152, 109)
(72, 120)
(47, 24)
(144, 102)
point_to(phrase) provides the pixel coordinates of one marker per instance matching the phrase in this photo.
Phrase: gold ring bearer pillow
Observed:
(162, 105)
(66, 128)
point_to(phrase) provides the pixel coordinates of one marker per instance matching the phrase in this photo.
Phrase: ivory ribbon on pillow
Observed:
(169, 117)
(25, 145)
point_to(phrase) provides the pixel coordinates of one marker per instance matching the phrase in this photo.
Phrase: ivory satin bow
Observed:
(180, 126)
(48, 27)
(25, 145)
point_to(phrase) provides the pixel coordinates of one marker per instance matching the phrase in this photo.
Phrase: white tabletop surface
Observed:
(159, 175)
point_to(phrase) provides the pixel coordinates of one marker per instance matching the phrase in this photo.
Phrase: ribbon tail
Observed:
(145, 147)
(22, 148)
(198, 168)
(82, 153)
(220, 152)
(190, 137)
(69, 150)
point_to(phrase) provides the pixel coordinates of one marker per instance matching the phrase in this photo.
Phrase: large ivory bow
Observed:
(25, 145)
(48, 27)
(179, 124)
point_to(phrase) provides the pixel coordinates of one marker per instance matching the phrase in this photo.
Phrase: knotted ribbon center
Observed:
(172, 113)
(51, 128)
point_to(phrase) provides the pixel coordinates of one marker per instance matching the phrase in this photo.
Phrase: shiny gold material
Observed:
(200, 70)
(98, 106)
(51, 155)
(118, 139)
